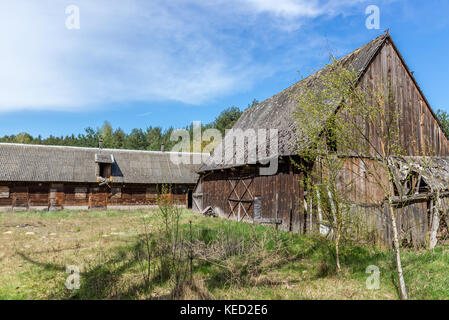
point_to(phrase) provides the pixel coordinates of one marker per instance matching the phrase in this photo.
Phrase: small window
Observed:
(80, 193)
(4, 192)
(105, 170)
(151, 193)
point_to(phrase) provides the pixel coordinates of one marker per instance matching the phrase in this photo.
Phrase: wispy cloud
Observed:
(145, 114)
(287, 8)
(187, 51)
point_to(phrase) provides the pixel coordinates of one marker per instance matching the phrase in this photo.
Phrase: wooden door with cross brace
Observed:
(240, 199)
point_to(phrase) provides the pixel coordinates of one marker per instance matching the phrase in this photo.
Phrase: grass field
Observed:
(36, 248)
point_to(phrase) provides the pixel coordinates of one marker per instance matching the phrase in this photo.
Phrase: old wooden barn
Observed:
(52, 177)
(239, 191)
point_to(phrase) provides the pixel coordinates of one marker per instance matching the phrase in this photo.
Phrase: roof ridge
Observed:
(277, 109)
(92, 149)
(384, 36)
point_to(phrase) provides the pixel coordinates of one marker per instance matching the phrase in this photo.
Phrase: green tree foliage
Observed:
(226, 119)
(332, 116)
(138, 139)
(443, 116)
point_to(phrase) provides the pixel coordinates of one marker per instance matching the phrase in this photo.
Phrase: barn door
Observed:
(98, 198)
(240, 199)
(20, 198)
(197, 197)
(57, 197)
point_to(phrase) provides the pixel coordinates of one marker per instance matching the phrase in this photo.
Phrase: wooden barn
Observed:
(40, 177)
(239, 191)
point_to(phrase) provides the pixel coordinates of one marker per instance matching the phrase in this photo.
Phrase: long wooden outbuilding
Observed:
(41, 177)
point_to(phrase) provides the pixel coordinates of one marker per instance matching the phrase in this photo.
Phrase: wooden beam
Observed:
(240, 200)
(419, 197)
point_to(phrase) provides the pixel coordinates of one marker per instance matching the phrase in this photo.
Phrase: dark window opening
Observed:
(105, 170)
(190, 199)
(408, 182)
(423, 187)
(395, 190)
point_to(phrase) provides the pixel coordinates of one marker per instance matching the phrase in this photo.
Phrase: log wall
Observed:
(23, 196)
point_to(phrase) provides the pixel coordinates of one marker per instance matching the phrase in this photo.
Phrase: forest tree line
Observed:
(150, 138)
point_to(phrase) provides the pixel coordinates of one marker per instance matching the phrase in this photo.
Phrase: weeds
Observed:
(219, 259)
(171, 254)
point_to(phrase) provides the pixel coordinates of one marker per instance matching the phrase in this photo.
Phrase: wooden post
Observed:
(434, 221)
(290, 228)
(277, 208)
(310, 216)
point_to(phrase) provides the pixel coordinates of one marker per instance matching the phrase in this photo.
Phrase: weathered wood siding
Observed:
(21, 195)
(372, 220)
(283, 197)
(359, 178)
(420, 133)
(232, 193)
(373, 224)
(38, 195)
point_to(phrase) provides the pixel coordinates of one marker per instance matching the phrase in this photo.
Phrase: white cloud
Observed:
(287, 8)
(185, 50)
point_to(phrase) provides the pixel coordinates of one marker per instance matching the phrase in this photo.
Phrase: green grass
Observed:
(103, 244)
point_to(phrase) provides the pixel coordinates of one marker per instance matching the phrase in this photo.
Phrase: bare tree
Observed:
(334, 114)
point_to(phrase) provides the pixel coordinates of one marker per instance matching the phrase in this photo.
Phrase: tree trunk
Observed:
(337, 250)
(337, 227)
(402, 289)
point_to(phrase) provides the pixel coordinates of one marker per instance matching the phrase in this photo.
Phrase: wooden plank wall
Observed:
(76, 195)
(371, 218)
(197, 197)
(373, 224)
(358, 181)
(57, 196)
(20, 195)
(420, 133)
(281, 194)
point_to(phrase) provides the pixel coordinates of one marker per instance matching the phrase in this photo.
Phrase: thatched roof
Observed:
(37, 163)
(276, 112)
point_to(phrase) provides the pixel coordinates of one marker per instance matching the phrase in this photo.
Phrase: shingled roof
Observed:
(37, 163)
(276, 112)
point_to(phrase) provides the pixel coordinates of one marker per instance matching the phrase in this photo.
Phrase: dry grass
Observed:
(231, 261)
(36, 247)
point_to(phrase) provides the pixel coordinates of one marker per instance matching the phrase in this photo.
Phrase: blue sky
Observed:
(168, 63)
